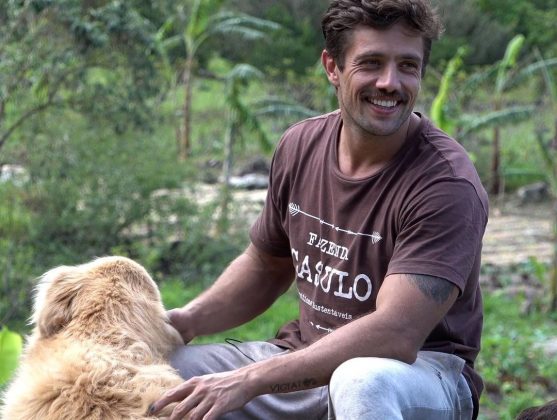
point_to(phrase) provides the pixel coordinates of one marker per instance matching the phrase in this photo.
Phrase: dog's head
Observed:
(107, 293)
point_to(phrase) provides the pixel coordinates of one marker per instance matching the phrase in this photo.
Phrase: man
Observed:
(378, 216)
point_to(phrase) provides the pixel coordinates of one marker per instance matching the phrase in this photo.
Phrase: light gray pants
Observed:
(432, 388)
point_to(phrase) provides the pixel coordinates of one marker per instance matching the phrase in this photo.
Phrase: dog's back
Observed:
(545, 412)
(98, 350)
(69, 381)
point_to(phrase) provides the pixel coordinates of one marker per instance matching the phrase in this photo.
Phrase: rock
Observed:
(14, 173)
(250, 182)
(533, 193)
(549, 348)
(257, 165)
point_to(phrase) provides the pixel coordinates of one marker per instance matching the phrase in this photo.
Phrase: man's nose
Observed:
(388, 79)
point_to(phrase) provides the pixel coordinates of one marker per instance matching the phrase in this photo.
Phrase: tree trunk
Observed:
(226, 174)
(185, 133)
(553, 280)
(495, 187)
(553, 151)
(496, 163)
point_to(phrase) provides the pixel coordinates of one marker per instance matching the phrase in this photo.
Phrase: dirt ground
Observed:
(515, 232)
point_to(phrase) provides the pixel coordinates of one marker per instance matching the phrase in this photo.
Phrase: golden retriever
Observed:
(544, 412)
(98, 348)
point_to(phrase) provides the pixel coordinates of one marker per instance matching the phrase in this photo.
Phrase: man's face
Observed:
(381, 79)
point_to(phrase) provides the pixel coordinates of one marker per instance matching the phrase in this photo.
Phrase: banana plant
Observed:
(505, 68)
(459, 123)
(204, 20)
(438, 111)
(504, 75)
(244, 123)
(548, 150)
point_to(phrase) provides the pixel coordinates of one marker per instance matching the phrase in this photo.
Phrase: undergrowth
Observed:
(516, 373)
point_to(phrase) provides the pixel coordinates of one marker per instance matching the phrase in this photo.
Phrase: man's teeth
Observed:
(386, 104)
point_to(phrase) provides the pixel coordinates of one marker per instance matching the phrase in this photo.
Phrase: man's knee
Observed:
(367, 388)
(365, 378)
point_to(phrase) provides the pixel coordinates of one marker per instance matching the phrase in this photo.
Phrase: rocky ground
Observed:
(515, 235)
(516, 232)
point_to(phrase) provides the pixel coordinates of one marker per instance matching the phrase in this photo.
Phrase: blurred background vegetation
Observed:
(115, 115)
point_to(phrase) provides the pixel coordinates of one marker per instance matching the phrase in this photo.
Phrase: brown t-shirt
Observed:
(424, 213)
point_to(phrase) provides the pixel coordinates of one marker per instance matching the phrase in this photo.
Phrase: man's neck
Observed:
(360, 156)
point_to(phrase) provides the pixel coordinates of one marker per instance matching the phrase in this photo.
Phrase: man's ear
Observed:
(330, 67)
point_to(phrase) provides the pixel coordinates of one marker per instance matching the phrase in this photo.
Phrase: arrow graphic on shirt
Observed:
(295, 210)
(319, 327)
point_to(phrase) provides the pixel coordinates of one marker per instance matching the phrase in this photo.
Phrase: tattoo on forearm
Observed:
(294, 386)
(435, 288)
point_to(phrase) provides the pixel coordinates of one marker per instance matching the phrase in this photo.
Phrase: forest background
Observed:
(124, 126)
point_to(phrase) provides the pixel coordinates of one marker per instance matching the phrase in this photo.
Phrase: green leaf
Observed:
(527, 72)
(438, 111)
(508, 62)
(511, 115)
(10, 349)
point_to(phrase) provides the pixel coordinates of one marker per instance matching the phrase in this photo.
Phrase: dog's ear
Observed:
(56, 292)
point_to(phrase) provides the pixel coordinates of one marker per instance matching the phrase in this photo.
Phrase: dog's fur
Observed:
(98, 347)
(545, 412)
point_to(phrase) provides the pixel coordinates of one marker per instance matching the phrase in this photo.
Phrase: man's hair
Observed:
(343, 16)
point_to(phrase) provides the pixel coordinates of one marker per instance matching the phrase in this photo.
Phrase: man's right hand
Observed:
(178, 319)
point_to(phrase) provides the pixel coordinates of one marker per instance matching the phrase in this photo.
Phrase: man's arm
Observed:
(248, 286)
(408, 308)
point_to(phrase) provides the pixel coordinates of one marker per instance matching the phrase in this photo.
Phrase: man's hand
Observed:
(207, 397)
(248, 286)
(179, 321)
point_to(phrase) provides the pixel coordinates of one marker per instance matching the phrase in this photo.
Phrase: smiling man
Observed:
(378, 218)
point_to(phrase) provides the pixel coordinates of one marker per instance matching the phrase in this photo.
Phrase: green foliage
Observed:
(515, 371)
(438, 107)
(113, 195)
(508, 63)
(207, 19)
(10, 349)
(465, 24)
(245, 120)
(534, 18)
(511, 115)
(15, 253)
(89, 194)
(240, 117)
(193, 26)
(506, 93)
(549, 155)
(291, 49)
(198, 258)
(52, 53)
(175, 293)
